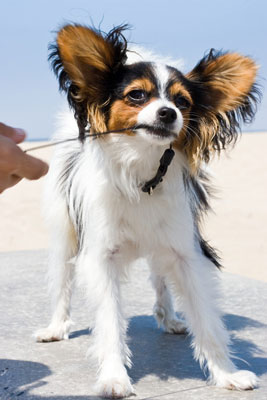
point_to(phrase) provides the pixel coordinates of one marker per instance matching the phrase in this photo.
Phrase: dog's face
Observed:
(153, 96)
(198, 112)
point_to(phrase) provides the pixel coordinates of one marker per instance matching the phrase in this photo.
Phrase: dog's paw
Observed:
(114, 387)
(239, 380)
(174, 326)
(170, 325)
(54, 332)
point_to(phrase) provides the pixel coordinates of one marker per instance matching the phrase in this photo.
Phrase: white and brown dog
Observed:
(98, 190)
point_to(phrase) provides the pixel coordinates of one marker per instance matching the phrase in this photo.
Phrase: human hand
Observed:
(14, 163)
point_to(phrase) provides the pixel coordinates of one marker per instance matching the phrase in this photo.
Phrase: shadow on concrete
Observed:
(246, 354)
(165, 355)
(14, 374)
(18, 378)
(154, 352)
(21, 377)
(235, 322)
(81, 332)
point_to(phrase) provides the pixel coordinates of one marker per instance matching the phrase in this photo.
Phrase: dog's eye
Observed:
(137, 96)
(181, 102)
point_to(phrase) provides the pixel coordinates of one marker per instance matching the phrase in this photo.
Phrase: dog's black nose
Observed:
(167, 115)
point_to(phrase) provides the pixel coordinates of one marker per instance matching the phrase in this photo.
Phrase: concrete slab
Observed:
(163, 366)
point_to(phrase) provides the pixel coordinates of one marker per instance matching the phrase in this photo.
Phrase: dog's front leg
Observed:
(101, 273)
(195, 279)
(60, 276)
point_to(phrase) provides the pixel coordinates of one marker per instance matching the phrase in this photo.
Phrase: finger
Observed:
(7, 181)
(20, 135)
(31, 167)
(15, 134)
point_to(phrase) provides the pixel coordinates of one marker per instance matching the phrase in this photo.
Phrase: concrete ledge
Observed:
(163, 366)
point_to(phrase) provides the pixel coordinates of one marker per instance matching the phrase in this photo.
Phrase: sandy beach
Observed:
(238, 226)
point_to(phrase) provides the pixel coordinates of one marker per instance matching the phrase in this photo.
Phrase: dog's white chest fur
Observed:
(106, 201)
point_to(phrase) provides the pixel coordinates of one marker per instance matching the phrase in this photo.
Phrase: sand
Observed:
(238, 226)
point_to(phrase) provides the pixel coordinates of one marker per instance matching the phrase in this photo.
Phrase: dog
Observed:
(141, 191)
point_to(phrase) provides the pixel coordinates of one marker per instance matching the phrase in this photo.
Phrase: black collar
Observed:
(164, 162)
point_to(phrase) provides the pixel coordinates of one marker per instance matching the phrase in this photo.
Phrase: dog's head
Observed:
(200, 111)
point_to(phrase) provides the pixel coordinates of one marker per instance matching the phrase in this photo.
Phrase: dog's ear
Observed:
(85, 61)
(224, 94)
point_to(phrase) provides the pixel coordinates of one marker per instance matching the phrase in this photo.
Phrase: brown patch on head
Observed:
(177, 88)
(124, 112)
(122, 115)
(140, 84)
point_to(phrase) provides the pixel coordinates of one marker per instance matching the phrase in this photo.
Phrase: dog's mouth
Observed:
(158, 130)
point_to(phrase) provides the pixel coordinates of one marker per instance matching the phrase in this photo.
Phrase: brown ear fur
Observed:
(224, 94)
(228, 79)
(87, 58)
(85, 61)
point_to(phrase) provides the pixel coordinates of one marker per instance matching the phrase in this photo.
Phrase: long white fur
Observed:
(120, 223)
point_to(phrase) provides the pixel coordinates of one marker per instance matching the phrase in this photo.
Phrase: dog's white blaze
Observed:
(162, 75)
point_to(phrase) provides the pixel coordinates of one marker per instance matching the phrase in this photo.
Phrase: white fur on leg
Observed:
(196, 281)
(239, 380)
(113, 381)
(54, 332)
(109, 349)
(163, 308)
(60, 278)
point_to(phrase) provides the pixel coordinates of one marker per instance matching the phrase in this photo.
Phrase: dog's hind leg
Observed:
(163, 308)
(60, 278)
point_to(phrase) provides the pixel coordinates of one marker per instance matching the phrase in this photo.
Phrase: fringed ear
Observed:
(85, 62)
(224, 94)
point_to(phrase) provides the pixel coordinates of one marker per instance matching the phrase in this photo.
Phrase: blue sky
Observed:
(29, 95)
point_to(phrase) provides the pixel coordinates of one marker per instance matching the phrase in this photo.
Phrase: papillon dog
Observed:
(141, 191)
